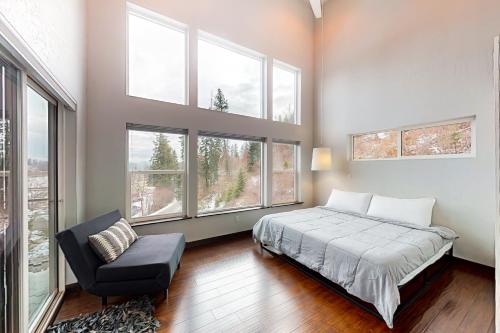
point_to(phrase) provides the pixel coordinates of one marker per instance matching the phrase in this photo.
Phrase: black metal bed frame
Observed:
(428, 275)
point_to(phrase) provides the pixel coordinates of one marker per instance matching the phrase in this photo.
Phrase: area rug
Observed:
(135, 316)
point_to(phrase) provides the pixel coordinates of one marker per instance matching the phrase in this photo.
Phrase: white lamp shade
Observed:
(321, 159)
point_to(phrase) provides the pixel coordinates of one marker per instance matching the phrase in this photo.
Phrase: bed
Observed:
(369, 257)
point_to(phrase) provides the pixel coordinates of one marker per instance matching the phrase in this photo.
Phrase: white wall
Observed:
(55, 30)
(283, 29)
(395, 63)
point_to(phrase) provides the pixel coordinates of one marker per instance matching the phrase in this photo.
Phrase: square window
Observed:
(157, 173)
(230, 78)
(229, 174)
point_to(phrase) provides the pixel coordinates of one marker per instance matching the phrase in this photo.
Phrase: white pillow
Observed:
(349, 201)
(416, 211)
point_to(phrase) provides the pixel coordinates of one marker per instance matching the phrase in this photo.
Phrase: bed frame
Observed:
(409, 292)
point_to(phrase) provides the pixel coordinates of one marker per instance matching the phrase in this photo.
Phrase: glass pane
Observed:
(284, 173)
(155, 194)
(156, 61)
(156, 151)
(229, 173)
(284, 95)
(229, 81)
(375, 145)
(41, 278)
(451, 139)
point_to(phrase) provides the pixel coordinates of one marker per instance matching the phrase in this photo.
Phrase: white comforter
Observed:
(367, 256)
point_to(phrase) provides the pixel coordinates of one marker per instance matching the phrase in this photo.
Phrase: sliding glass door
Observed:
(41, 215)
(9, 205)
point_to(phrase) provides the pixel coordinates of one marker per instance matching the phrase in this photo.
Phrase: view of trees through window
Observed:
(438, 140)
(156, 171)
(284, 173)
(229, 173)
(375, 145)
(238, 75)
(285, 84)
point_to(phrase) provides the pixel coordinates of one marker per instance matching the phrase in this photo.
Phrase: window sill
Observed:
(230, 211)
(223, 212)
(173, 219)
(287, 204)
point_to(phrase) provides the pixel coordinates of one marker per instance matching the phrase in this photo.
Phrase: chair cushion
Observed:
(149, 257)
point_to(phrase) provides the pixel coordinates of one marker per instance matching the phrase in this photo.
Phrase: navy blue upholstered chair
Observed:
(146, 267)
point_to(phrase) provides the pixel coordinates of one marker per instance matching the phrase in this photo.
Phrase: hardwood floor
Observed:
(231, 286)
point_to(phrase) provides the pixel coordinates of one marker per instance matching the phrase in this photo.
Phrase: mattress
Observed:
(369, 257)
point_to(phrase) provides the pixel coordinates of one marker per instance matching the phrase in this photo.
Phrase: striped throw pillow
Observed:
(109, 244)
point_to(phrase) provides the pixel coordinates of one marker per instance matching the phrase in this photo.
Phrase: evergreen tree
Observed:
(240, 183)
(210, 152)
(253, 155)
(220, 102)
(164, 158)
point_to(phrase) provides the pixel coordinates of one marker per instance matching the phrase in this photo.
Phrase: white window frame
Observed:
(183, 173)
(297, 72)
(263, 181)
(156, 18)
(400, 130)
(297, 178)
(244, 51)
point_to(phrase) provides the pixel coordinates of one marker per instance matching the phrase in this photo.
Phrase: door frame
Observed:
(496, 76)
(52, 304)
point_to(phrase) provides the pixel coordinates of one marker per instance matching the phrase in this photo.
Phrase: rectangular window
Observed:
(229, 173)
(455, 138)
(447, 139)
(230, 77)
(157, 53)
(374, 146)
(286, 93)
(156, 174)
(285, 173)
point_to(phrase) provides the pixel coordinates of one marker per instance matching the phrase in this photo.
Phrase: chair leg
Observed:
(104, 300)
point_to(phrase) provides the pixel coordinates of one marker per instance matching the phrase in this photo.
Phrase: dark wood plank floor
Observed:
(231, 286)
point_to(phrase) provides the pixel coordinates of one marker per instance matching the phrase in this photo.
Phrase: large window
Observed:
(157, 53)
(229, 173)
(453, 138)
(230, 78)
(285, 173)
(286, 93)
(156, 174)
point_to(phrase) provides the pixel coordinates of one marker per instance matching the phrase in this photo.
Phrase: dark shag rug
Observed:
(135, 316)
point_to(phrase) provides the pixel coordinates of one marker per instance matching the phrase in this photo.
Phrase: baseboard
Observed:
(216, 239)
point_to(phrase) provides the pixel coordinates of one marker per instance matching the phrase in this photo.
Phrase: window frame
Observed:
(156, 18)
(263, 165)
(297, 178)
(241, 50)
(184, 173)
(297, 72)
(400, 130)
